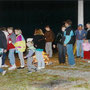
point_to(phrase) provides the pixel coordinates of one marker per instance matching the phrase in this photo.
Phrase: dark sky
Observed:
(29, 15)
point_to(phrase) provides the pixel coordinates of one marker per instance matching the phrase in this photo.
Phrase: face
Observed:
(88, 25)
(63, 29)
(66, 25)
(47, 29)
(10, 31)
(80, 28)
(16, 32)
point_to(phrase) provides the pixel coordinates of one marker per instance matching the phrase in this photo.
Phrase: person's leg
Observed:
(20, 54)
(3, 58)
(71, 59)
(63, 54)
(82, 52)
(42, 60)
(11, 56)
(50, 48)
(38, 59)
(78, 48)
(1, 70)
(46, 48)
(29, 64)
(0, 61)
(60, 53)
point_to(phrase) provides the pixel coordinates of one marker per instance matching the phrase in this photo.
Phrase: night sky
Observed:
(28, 15)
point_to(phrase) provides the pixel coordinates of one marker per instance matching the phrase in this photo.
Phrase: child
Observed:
(11, 41)
(20, 47)
(31, 51)
(39, 43)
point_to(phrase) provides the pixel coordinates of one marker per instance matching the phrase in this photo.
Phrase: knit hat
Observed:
(80, 25)
(29, 39)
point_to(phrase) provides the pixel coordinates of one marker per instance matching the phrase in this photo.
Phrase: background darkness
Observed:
(28, 15)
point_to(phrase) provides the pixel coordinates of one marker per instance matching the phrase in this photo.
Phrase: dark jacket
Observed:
(80, 36)
(60, 38)
(39, 41)
(3, 41)
(88, 34)
(69, 36)
(49, 36)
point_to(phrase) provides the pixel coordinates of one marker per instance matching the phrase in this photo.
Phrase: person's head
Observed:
(30, 42)
(38, 32)
(80, 27)
(68, 23)
(63, 28)
(18, 31)
(88, 25)
(10, 30)
(3, 29)
(47, 28)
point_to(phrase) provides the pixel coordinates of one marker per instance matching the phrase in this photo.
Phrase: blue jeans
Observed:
(11, 56)
(79, 45)
(61, 52)
(40, 59)
(1, 70)
(3, 58)
(20, 54)
(70, 54)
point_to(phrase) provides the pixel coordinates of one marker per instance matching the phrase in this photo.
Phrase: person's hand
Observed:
(25, 57)
(5, 51)
(54, 46)
(10, 41)
(64, 44)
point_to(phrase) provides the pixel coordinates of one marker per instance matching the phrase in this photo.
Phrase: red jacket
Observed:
(10, 44)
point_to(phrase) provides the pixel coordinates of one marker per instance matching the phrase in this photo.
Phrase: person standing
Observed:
(60, 45)
(68, 42)
(3, 48)
(49, 37)
(88, 32)
(20, 46)
(80, 37)
(39, 43)
(4, 30)
(10, 46)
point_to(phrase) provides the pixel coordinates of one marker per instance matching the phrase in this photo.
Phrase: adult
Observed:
(49, 37)
(69, 37)
(3, 47)
(80, 37)
(60, 45)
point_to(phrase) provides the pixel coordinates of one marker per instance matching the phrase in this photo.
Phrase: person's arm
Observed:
(29, 54)
(4, 41)
(68, 37)
(13, 38)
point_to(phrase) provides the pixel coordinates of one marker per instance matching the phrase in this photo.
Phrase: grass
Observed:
(20, 80)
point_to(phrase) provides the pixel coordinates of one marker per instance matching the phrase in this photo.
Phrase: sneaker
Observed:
(78, 57)
(4, 65)
(29, 72)
(35, 69)
(20, 68)
(13, 67)
(42, 67)
(39, 68)
(4, 72)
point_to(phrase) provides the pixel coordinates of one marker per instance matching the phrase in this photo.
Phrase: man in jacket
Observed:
(49, 37)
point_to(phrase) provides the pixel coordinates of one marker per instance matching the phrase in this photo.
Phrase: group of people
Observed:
(13, 41)
(67, 38)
